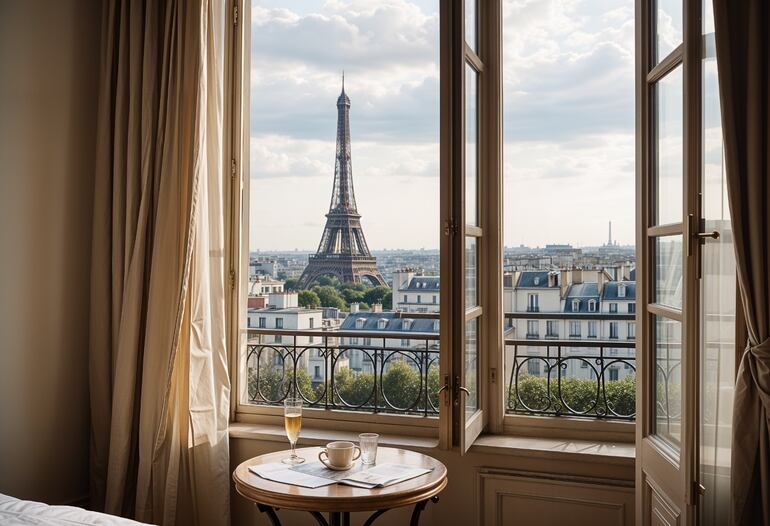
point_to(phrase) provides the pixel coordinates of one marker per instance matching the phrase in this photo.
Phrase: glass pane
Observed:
(471, 257)
(668, 380)
(668, 27)
(668, 271)
(669, 148)
(718, 289)
(471, 144)
(470, 24)
(471, 368)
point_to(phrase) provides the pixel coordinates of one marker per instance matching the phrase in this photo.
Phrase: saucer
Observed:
(335, 468)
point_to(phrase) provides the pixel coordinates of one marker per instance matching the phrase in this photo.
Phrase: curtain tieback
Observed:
(761, 350)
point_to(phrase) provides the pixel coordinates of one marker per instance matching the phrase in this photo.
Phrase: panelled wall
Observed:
(49, 62)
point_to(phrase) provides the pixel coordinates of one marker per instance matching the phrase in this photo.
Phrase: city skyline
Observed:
(567, 125)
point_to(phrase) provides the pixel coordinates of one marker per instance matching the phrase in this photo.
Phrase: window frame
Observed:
(491, 347)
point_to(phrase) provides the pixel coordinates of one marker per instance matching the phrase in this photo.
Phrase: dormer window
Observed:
(591, 305)
(360, 323)
(575, 305)
(621, 290)
(537, 280)
(382, 323)
(406, 325)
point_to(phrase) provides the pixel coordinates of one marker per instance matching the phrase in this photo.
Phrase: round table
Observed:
(338, 499)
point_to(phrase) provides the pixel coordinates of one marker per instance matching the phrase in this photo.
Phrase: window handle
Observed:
(461, 388)
(705, 235)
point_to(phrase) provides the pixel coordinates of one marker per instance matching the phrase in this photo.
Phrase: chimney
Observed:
(577, 275)
(564, 281)
(376, 307)
(600, 278)
(283, 300)
(353, 308)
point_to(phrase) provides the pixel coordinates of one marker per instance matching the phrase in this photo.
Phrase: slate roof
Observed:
(610, 291)
(394, 324)
(583, 292)
(528, 278)
(423, 284)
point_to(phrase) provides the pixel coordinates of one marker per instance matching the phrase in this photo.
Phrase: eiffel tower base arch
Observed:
(345, 269)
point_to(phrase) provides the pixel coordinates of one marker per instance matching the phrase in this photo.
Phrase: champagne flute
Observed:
(292, 419)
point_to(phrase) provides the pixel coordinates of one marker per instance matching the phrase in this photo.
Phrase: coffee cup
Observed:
(339, 455)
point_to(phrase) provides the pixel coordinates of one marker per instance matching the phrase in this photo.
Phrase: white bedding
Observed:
(15, 512)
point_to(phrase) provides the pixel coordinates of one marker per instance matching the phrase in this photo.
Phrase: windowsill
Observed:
(319, 437)
(555, 449)
(546, 448)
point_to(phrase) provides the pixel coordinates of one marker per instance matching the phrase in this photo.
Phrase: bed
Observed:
(15, 512)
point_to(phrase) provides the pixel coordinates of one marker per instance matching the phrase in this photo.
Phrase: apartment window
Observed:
(574, 329)
(360, 323)
(279, 323)
(631, 328)
(312, 323)
(613, 308)
(311, 339)
(533, 367)
(354, 340)
(278, 338)
(382, 323)
(405, 343)
(419, 298)
(614, 376)
(613, 330)
(575, 305)
(591, 305)
(406, 298)
(262, 322)
(592, 329)
(317, 371)
(532, 329)
(435, 299)
(632, 308)
(406, 325)
(533, 304)
(551, 329)
(621, 290)
(368, 342)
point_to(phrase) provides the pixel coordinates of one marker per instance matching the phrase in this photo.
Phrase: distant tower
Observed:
(609, 242)
(342, 251)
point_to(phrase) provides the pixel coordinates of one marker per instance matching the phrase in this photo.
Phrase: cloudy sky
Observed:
(568, 98)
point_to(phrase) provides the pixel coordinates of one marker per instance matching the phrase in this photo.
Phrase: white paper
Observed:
(384, 475)
(282, 473)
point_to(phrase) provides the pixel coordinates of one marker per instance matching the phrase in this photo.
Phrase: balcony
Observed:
(379, 376)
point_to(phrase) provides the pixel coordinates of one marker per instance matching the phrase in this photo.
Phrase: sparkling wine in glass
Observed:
(292, 419)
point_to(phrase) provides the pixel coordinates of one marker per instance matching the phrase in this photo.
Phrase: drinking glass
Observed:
(368, 444)
(292, 419)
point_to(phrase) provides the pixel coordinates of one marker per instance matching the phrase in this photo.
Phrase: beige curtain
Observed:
(743, 58)
(158, 362)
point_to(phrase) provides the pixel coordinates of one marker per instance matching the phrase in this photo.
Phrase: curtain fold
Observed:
(158, 362)
(743, 58)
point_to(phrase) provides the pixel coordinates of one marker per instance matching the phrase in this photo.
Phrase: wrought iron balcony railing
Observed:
(571, 378)
(330, 372)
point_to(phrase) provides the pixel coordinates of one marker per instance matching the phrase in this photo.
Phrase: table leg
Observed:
(271, 514)
(319, 518)
(418, 509)
(335, 519)
(373, 517)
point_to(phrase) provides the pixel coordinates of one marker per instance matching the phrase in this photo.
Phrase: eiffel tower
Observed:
(342, 252)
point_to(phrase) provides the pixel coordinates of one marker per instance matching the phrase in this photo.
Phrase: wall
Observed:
(49, 55)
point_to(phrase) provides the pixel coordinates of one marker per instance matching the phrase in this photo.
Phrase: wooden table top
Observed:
(339, 497)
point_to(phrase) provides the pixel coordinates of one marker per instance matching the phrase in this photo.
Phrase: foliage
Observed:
(329, 297)
(579, 394)
(376, 294)
(401, 384)
(328, 281)
(291, 284)
(434, 384)
(387, 301)
(281, 275)
(308, 298)
(275, 383)
(354, 388)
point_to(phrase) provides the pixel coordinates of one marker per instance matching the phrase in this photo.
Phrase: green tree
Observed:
(275, 383)
(434, 384)
(308, 298)
(329, 297)
(376, 294)
(291, 284)
(621, 395)
(352, 296)
(327, 281)
(353, 388)
(401, 384)
(281, 275)
(387, 301)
